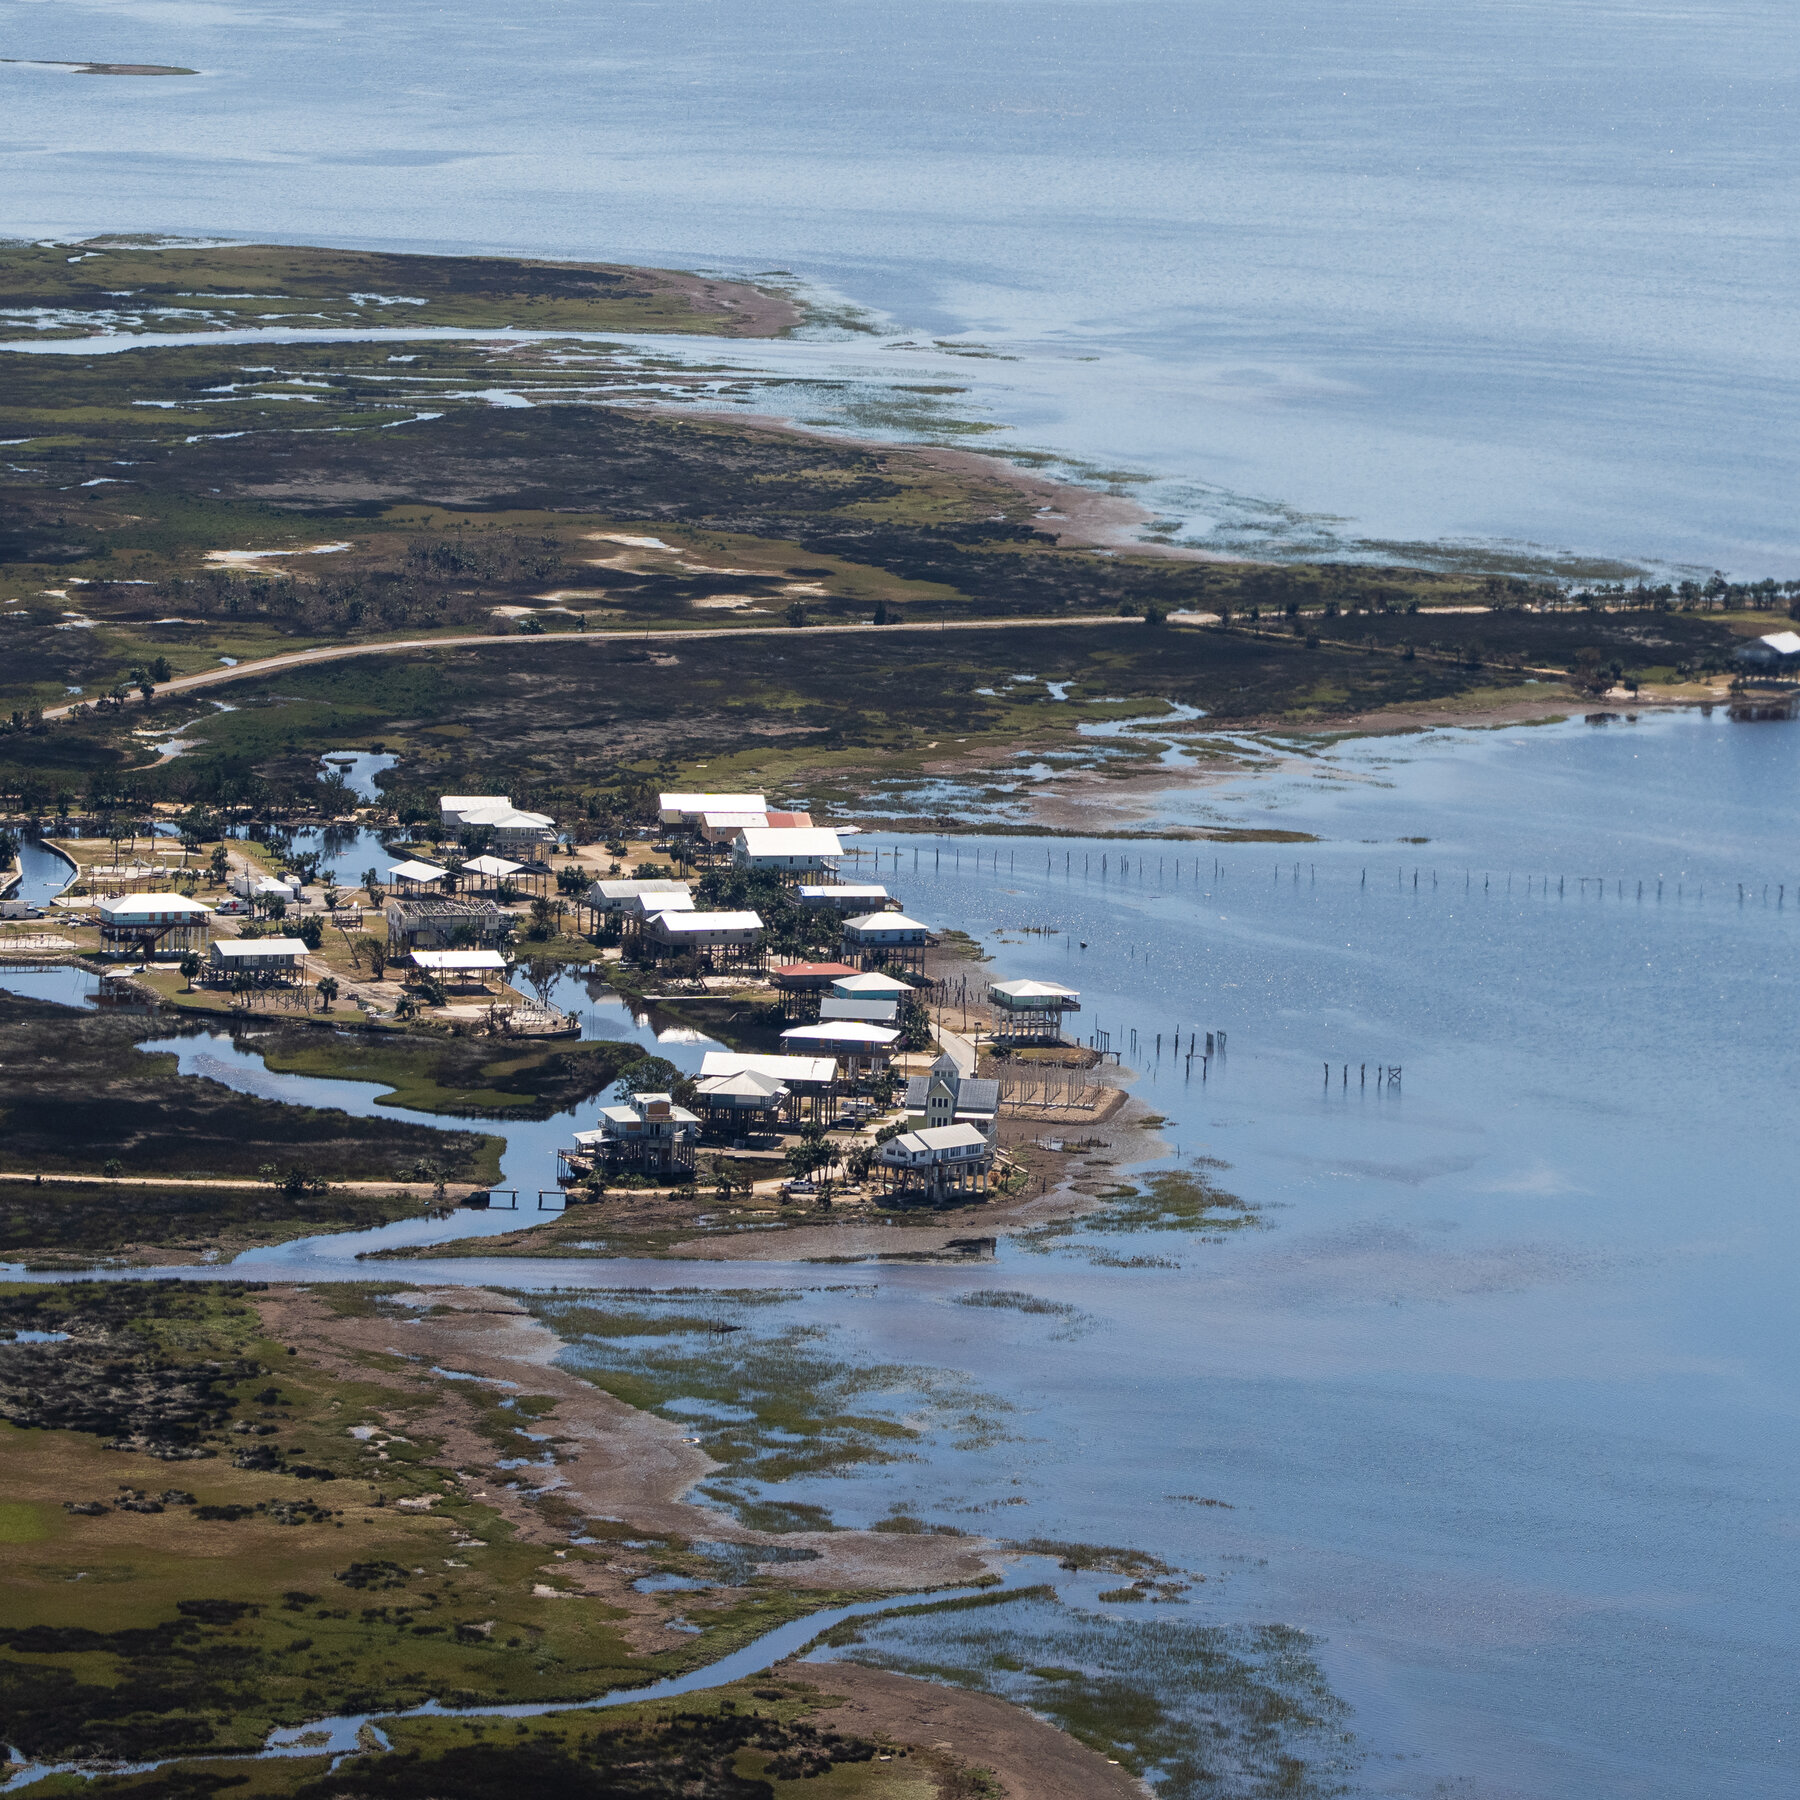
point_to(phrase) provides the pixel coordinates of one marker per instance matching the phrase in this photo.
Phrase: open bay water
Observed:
(1511, 274)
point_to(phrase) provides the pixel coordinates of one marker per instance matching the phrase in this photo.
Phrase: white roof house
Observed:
(872, 1012)
(511, 827)
(703, 928)
(258, 953)
(653, 1115)
(415, 874)
(253, 884)
(871, 985)
(611, 896)
(846, 896)
(746, 1091)
(649, 1131)
(885, 928)
(1034, 996)
(676, 809)
(460, 962)
(452, 807)
(649, 906)
(935, 1145)
(789, 849)
(1772, 650)
(791, 1071)
(853, 1037)
(152, 909)
(494, 868)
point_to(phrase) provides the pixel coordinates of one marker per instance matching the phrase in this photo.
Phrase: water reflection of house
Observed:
(939, 1163)
(945, 1096)
(649, 1134)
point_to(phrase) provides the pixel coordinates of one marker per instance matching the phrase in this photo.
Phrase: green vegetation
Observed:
(79, 1094)
(1204, 1709)
(486, 1078)
(208, 1535)
(50, 1222)
(769, 1738)
(588, 731)
(1185, 1200)
(367, 495)
(769, 1405)
(125, 284)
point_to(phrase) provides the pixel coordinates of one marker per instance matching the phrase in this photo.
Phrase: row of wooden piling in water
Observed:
(1178, 872)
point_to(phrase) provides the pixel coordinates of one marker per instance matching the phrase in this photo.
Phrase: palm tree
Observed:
(328, 992)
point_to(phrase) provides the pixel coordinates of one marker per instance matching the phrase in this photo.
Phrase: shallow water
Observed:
(1506, 271)
(1499, 1399)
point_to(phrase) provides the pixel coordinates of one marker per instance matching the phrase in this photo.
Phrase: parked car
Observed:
(233, 905)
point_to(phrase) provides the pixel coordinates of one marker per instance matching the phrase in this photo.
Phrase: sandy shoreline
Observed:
(1081, 518)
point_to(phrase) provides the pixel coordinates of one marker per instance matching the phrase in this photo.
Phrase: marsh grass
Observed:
(283, 1582)
(1075, 1320)
(1172, 1200)
(769, 1399)
(1199, 1709)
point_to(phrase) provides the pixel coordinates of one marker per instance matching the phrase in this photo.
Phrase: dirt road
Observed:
(299, 659)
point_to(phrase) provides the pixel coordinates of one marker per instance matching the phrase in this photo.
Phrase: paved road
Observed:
(297, 659)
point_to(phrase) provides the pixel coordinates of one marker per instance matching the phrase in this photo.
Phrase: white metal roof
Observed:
(453, 961)
(228, 949)
(746, 1084)
(1032, 990)
(697, 924)
(870, 985)
(842, 890)
(1783, 643)
(492, 865)
(940, 1137)
(734, 821)
(705, 803)
(612, 891)
(877, 1009)
(143, 906)
(813, 1069)
(841, 1031)
(809, 841)
(504, 816)
(888, 921)
(677, 900)
(416, 871)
